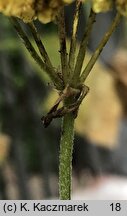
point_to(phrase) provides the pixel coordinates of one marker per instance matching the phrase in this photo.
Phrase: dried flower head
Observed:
(27, 10)
(102, 5)
(106, 5)
(47, 10)
(18, 8)
(121, 6)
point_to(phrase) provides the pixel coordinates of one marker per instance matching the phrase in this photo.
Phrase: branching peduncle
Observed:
(100, 47)
(74, 37)
(83, 46)
(71, 90)
(56, 80)
(63, 48)
(40, 45)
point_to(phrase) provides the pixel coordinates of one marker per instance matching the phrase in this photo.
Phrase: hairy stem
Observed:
(100, 47)
(65, 160)
(40, 45)
(83, 46)
(55, 79)
(74, 36)
(63, 49)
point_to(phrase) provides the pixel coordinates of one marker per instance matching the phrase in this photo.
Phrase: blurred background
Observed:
(29, 154)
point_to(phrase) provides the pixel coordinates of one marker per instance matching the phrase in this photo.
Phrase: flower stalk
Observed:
(63, 48)
(100, 47)
(40, 45)
(74, 36)
(43, 65)
(83, 46)
(70, 84)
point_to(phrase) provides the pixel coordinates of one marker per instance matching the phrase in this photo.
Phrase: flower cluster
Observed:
(102, 5)
(46, 10)
(28, 10)
(106, 5)
(23, 9)
(122, 7)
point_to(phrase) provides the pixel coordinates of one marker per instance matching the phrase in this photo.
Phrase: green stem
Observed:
(74, 36)
(40, 45)
(83, 46)
(65, 163)
(63, 48)
(57, 82)
(100, 47)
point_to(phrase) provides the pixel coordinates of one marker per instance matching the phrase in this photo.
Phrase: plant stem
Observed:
(83, 46)
(100, 47)
(63, 48)
(65, 163)
(74, 36)
(55, 79)
(40, 45)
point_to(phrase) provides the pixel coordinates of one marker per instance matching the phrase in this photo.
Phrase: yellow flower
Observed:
(102, 5)
(121, 6)
(23, 9)
(28, 10)
(47, 10)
